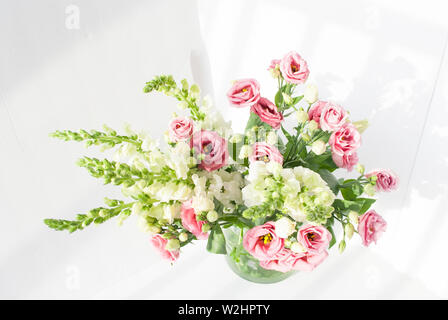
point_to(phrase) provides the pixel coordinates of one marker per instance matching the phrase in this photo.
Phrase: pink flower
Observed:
(332, 117)
(316, 110)
(180, 129)
(261, 151)
(345, 140)
(286, 260)
(159, 243)
(386, 180)
(274, 63)
(262, 242)
(371, 226)
(244, 93)
(294, 69)
(189, 221)
(213, 147)
(346, 161)
(268, 113)
(315, 239)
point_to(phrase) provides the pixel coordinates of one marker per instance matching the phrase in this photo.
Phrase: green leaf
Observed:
(279, 99)
(330, 179)
(333, 237)
(366, 203)
(346, 205)
(216, 241)
(351, 189)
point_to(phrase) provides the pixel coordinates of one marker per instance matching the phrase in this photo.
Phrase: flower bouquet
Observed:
(267, 198)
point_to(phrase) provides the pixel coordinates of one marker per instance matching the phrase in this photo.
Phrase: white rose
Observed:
(319, 147)
(310, 93)
(284, 227)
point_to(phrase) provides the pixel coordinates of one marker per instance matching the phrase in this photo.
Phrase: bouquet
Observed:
(268, 198)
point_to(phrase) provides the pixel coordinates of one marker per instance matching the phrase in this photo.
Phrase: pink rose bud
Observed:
(268, 113)
(274, 64)
(386, 180)
(371, 226)
(332, 117)
(345, 140)
(346, 161)
(244, 93)
(189, 221)
(262, 241)
(180, 129)
(159, 243)
(316, 110)
(213, 148)
(261, 151)
(315, 239)
(294, 69)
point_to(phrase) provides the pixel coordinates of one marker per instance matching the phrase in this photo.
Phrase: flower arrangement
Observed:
(267, 198)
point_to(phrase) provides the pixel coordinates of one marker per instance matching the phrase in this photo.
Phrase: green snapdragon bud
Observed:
(349, 230)
(342, 245)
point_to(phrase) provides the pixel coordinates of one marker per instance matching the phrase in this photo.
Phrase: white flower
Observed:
(257, 170)
(274, 168)
(271, 138)
(319, 147)
(245, 152)
(202, 203)
(284, 227)
(171, 212)
(179, 159)
(353, 216)
(311, 93)
(324, 196)
(253, 195)
(183, 237)
(301, 116)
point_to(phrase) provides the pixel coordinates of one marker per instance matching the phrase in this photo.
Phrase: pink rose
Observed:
(316, 110)
(262, 242)
(345, 140)
(294, 69)
(346, 161)
(180, 129)
(386, 180)
(332, 117)
(315, 239)
(287, 260)
(371, 226)
(244, 93)
(159, 243)
(274, 64)
(189, 221)
(268, 113)
(261, 151)
(213, 147)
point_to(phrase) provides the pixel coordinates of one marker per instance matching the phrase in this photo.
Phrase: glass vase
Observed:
(244, 264)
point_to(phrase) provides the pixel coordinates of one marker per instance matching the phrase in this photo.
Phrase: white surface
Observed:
(382, 60)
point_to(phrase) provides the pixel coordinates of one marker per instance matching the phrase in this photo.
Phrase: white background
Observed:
(382, 60)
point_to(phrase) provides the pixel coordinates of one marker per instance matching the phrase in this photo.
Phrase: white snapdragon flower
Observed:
(179, 159)
(284, 227)
(257, 170)
(171, 212)
(271, 138)
(202, 203)
(245, 152)
(253, 195)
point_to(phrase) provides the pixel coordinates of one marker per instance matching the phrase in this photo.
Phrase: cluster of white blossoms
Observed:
(299, 192)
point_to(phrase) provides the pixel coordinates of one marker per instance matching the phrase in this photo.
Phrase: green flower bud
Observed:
(313, 125)
(301, 116)
(183, 237)
(184, 83)
(172, 245)
(369, 190)
(361, 125)
(342, 246)
(306, 137)
(360, 168)
(102, 213)
(212, 216)
(353, 216)
(349, 230)
(206, 227)
(287, 98)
